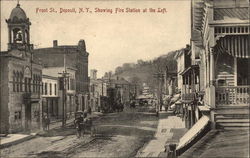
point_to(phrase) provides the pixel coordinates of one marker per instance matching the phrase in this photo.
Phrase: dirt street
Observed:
(117, 135)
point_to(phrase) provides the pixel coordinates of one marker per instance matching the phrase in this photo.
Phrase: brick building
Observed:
(20, 78)
(70, 56)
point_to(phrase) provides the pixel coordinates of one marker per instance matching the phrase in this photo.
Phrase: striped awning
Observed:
(235, 45)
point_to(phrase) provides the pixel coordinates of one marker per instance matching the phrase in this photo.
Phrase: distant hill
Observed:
(142, 71)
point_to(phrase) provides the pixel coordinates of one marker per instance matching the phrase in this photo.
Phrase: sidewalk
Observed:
(170, 128)
(12, 139)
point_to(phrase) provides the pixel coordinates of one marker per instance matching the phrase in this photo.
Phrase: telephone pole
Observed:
(159, 76)
(63, 84)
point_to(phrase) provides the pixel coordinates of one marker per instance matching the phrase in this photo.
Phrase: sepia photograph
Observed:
(124, 78)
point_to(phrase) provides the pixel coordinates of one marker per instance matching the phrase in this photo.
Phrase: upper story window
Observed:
(21, 81)
(14, 81)
(55, 89)
(38, 83)
(29, 84)
(50, 89)
(26, 84)
(42, 88)
(34, 83)
(17, 81)
(46, 89)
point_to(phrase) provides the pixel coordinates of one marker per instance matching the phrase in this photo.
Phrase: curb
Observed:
(25, 138)
(17, 141)
(31, 136)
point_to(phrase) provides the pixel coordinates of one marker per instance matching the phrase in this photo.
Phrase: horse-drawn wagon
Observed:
(83, 123)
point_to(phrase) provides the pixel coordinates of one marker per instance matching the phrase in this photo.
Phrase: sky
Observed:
(111, 38)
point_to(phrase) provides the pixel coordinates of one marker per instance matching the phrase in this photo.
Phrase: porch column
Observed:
(212, 79)
(193, 80)
(184, 85)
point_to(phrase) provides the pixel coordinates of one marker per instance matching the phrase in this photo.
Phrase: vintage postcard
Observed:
(124, 78)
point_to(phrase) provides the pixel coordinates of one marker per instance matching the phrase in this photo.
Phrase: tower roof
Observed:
(17, 13)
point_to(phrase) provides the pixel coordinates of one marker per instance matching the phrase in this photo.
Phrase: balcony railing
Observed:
(235, 95)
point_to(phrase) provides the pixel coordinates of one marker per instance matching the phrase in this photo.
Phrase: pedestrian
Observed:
(47, 122)
(89, 110)
(44, 121)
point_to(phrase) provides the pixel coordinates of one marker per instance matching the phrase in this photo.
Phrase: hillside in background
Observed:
(142, 71)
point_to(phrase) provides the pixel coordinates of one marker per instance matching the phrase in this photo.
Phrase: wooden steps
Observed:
(232, 118)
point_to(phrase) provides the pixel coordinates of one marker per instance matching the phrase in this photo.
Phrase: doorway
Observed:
(28, 115)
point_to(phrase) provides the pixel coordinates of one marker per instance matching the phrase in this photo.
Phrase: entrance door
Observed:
(28, 115)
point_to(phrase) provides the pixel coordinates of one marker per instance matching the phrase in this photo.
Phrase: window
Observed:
(50, 89)
(29, 84)
(17, 81)
(17, 115)
(34, 83)
(55, 89)
(72, 84)
(42, 88)
(39, 83)
(21, 82)
(46, 89)
(67, 80)
(26, 84)
(14, 81)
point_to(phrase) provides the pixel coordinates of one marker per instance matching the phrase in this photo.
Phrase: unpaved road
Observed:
(118, 135)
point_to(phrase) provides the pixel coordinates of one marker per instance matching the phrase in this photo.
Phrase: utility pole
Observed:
(62, 86)
(159, 76)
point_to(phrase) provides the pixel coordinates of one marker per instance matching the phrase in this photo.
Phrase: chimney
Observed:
(55, 43)
(81, 45)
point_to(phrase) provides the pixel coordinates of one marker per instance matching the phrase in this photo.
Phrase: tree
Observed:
(118, 70)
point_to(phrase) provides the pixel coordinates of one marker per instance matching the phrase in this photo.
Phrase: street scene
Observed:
(125, 79)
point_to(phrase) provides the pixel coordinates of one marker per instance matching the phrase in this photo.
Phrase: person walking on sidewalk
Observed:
(44, 122)
(47, 123)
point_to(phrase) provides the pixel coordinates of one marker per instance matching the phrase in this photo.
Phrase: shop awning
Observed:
(235, 45)
(200, 127)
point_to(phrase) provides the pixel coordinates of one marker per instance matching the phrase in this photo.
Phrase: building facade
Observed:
(50, 96)
(69, 56)
(216, 82)
(67, 98)
(21, 76)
